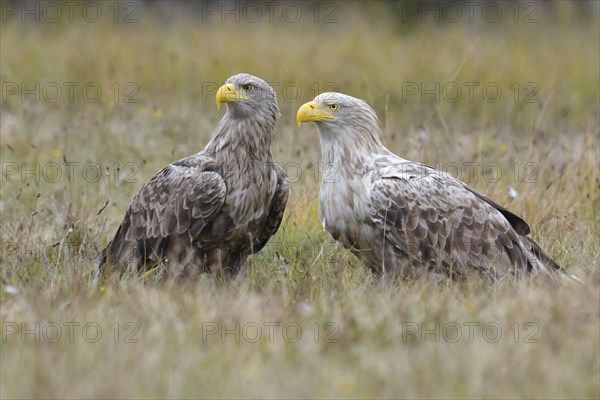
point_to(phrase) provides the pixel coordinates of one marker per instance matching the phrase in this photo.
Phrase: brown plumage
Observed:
(210, 211)
(404, 218)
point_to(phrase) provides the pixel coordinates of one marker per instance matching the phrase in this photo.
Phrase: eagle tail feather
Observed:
(546, 263)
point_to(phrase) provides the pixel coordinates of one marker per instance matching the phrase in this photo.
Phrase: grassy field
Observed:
(93, 107)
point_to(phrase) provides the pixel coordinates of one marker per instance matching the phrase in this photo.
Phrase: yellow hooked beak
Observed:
(312, 112)
(228, 93)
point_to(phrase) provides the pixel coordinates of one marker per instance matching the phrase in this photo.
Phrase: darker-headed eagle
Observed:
(210, 211)
(405, 218)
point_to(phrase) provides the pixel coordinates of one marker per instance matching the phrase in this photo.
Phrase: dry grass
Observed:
(548, 151)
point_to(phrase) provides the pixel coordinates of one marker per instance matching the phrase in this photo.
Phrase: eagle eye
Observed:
(334, 106)
(248, 87)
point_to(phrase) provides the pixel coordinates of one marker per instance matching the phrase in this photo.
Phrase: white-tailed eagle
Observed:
(208, 212)
(407, 219)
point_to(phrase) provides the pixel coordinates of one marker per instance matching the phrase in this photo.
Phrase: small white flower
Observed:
(10, 289)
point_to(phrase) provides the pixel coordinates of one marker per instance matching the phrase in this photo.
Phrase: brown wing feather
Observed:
(276, 211)
(517, 222)
(435, 221)
(180, 199)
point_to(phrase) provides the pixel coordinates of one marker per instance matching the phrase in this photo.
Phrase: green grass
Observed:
(52, 229)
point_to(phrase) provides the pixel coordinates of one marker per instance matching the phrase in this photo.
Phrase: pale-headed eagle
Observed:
(208, 212)
(407, 219)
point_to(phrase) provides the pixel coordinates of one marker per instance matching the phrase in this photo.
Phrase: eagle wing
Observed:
(434, 219)
(182, 198)
(277, 208)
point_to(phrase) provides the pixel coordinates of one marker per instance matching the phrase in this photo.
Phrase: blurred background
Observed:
(96, 96)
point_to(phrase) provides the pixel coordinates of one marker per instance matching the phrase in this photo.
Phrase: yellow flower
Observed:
(346, 384)
(471, 306)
